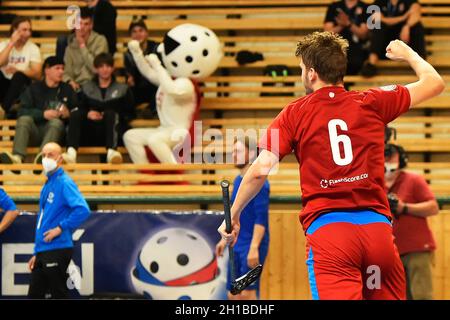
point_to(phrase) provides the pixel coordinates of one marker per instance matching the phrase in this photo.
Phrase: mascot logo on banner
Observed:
(176, 264)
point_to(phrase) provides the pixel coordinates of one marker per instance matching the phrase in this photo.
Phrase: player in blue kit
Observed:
(253, 243)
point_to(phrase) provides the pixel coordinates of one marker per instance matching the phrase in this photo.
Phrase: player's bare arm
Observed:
(251, 184)
(430, 83)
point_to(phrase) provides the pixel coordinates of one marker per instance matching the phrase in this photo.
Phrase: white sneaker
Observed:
(114, 156)
(70, 156)
(7, 157)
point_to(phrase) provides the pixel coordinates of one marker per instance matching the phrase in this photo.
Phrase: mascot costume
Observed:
(189, 53)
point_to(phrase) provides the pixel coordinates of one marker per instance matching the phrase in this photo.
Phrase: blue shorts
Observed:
(241, 267)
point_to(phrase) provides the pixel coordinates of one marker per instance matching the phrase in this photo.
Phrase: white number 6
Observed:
(335, 139)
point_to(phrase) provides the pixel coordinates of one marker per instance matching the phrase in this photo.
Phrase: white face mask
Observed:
(390, 169)
(49, 165)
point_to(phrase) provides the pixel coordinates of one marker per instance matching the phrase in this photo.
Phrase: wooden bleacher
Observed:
(254, 27)
(299, 18)
(125, 179)
(233, 99)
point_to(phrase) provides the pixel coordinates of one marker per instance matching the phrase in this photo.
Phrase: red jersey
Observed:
(412, 234)
(338, 139)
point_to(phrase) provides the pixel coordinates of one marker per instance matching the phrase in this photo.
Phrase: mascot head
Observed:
(190, 51)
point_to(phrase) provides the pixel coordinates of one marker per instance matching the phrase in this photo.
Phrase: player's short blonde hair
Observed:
(326, 53)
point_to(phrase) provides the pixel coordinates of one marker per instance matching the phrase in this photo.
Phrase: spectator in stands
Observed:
(349, 19)
(400, 19)
(143, 90)
(253, 242)
(62, 210)
(44, 106)
(105, 105)
(411, 202)
(84, 45)
(104, 16)
(20, 62)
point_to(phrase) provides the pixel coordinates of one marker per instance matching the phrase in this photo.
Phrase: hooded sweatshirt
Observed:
(79, 62)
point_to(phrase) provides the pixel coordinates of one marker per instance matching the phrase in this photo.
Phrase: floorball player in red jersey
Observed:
(338, 138)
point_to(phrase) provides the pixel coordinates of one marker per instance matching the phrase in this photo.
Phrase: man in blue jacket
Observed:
(62, 208)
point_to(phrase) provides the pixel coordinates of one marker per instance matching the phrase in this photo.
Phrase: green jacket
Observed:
(38, 97)
(79, 63)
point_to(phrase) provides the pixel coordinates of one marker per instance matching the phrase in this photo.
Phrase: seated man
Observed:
(105, 105)
(400, 19)
(104, 16)
(348, 18)
(43, 106)
(84, 45)
(143, 90)
(20, 62)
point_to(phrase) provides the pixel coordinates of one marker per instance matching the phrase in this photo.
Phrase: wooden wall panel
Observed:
(285, 275)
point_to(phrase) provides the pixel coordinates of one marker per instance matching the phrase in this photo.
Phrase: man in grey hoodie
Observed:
(84, 45)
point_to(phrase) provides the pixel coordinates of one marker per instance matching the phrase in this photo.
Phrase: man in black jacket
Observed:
(143, 90)
(44, 106)
(105, 107)
(105, 16)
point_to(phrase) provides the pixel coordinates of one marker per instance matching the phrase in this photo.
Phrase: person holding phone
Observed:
(45, 105)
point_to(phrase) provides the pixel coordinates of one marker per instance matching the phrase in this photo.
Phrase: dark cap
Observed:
(52, 61)
(137, 23)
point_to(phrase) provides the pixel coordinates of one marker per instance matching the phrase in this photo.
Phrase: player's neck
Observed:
(319, 85)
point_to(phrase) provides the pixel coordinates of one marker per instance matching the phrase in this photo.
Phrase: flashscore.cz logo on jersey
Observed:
(324, 183)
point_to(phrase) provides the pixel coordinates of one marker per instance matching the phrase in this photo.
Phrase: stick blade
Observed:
(247, 279)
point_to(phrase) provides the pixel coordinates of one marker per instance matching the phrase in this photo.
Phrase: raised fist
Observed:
(399, 51)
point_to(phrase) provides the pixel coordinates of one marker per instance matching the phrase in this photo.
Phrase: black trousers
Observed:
(10, 90)
(381, 38)
(49, 275)
(145, 94)
(83, 131)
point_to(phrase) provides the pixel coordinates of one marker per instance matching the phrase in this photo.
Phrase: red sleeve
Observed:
(422, 191)
(388, 102)
(279, 137)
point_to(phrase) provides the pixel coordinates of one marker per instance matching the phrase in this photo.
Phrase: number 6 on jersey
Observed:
(335, 139)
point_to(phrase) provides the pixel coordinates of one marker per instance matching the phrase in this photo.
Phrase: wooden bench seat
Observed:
(307, 23)
(412, 134)
(94, 178)
(319, 9)
(186, 4)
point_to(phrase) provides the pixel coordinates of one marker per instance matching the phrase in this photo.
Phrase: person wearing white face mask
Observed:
(62, 209)
(412, 201)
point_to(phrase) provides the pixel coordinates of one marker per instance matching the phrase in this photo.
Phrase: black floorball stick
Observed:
(239, 284)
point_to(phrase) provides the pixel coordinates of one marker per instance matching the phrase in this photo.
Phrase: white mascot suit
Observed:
(189, 52)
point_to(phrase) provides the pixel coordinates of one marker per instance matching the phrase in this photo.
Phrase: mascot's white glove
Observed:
(179, 87)
(153, 60)
(134, 47)
(142, 64)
